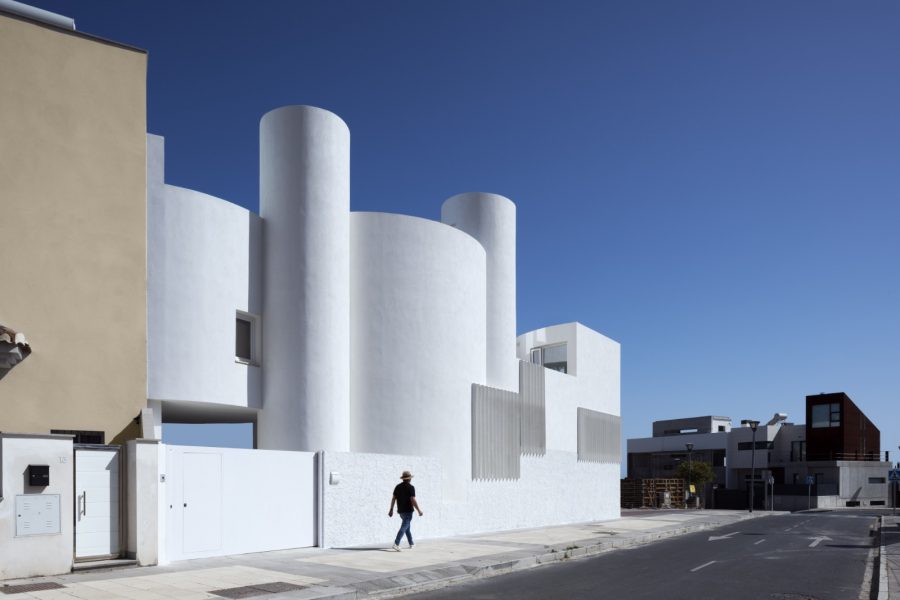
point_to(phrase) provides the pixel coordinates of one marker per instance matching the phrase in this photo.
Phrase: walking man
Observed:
(405, 498)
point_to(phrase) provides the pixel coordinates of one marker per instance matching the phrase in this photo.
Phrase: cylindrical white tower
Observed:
(304, 171)
(491, 219)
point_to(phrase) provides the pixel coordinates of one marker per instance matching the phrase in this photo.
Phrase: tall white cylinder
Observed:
(491, 219)
(305, 205)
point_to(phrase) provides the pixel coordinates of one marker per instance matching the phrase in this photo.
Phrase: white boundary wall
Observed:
(553, 490)
(35, 555)
(142, 497)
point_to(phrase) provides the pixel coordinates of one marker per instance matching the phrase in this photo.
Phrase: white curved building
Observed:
(380, 341)
(358, 345)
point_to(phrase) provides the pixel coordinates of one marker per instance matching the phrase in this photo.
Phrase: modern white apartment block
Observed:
(831, 461)
(359, 344)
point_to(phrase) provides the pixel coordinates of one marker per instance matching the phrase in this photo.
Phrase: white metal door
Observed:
(202, 500)
(97, 502)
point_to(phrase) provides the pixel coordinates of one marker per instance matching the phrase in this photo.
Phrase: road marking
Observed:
(713, 538)
(816, 540)
(701, 566)
(759, 542)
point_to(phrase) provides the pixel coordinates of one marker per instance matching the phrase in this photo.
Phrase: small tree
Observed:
(699, 474)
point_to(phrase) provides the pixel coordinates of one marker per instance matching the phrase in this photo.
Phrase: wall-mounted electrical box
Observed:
(37, 514)
(39, 475)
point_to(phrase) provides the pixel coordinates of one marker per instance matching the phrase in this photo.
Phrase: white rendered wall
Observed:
(743, 459)
(491, 219)
(267, 501)
(554, 489)
(356, 506)
(35, 555)
(204, 262)
(305, 202)
(592, 381)
(143, 501)
(418, 331)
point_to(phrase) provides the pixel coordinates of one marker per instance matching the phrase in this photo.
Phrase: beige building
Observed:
(73, 224)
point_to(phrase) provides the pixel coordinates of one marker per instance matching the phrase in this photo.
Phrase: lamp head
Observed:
(750, 423)
(689, 446)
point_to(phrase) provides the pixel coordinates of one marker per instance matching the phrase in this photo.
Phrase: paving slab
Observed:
(889, 563)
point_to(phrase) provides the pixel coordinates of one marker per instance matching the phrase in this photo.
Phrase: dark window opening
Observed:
(826, 415)
(552, 357)
(83, 437)
(759, 445)
(243, 341)
(798, 451)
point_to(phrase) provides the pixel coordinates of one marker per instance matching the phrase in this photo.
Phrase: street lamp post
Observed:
(753, 425)
(690, 449)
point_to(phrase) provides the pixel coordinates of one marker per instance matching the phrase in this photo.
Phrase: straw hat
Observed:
(406, 475)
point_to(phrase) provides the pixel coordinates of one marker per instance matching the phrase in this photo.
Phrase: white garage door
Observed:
(97, 502)
(222, 501)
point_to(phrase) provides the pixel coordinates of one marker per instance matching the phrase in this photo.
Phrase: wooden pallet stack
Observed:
(651, 493)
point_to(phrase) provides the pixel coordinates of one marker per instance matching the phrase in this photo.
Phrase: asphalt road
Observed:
(802, 556)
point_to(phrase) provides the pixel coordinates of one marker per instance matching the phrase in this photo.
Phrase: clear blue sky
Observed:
(715, 185)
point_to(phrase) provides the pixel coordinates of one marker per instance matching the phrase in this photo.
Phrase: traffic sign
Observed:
(810, 479)
(894, 475)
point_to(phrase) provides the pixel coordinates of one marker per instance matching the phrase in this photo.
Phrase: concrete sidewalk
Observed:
(889, 561)
(371, 572)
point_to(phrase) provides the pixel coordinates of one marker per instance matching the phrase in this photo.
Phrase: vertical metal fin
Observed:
(599, 436)
(531, 393)
(496, 433)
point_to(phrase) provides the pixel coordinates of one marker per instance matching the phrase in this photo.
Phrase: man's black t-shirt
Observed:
(403, 492)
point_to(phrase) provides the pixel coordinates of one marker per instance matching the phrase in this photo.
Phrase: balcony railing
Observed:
(827, 456)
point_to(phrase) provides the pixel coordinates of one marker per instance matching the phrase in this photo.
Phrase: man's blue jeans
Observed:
(404, 528)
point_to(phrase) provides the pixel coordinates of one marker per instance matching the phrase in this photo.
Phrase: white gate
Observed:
(222, 501)
(202, 501)
(97, 506)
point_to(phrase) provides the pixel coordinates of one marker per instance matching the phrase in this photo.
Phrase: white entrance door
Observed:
(202, 489)
(96, 502)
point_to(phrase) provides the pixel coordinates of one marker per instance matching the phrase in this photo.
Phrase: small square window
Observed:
(246, 338)
(552, 357)
(826, 415)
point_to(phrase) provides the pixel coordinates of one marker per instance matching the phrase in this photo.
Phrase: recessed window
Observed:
(246, 338)
(552, 357)
(826, 415)
(798, 451)
(759, 445)
(82, 437)
(877, 480)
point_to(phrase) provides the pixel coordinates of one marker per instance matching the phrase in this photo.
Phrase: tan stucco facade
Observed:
(73, 229)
